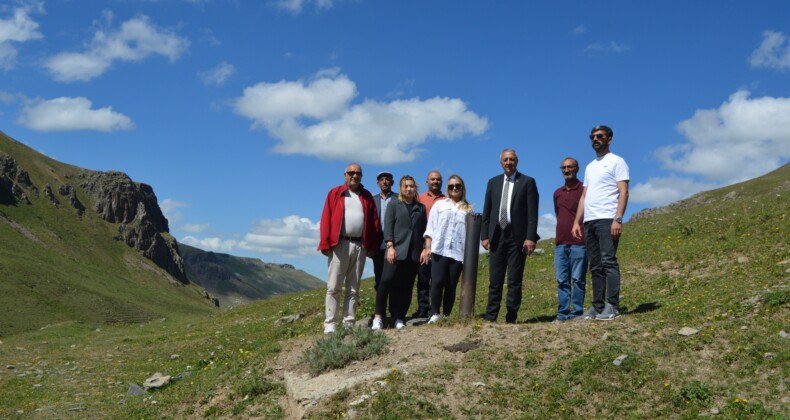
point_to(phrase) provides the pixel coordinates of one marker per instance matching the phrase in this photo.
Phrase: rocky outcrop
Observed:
(118, 199)
(12, 180)
(67, 190)
(51, 197)
(142, 235)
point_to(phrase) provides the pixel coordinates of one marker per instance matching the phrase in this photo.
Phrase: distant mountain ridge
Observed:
(238, 280)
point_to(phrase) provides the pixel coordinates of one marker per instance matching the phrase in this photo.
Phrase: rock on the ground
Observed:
(135, 391)
(157, 381)
(687, 331)
(620, 359)
(289, 319)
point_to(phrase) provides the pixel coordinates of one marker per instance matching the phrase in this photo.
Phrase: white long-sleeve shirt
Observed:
(447, 229)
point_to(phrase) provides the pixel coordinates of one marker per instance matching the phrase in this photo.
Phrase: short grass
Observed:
(718, 263)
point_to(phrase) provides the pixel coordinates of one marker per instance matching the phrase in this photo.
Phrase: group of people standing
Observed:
(423, 236)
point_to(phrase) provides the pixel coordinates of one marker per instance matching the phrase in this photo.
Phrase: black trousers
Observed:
(445, 273)
(506, 257)
(423, 289)
(378, 269)
(397, 281)
(604, 268)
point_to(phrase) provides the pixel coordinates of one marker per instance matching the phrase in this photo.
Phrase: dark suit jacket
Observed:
(377, 200)
(523, 209)
(399, 229)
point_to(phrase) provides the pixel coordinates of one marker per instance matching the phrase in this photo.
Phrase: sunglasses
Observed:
(597, 136)
(455, 187)
(354, 173)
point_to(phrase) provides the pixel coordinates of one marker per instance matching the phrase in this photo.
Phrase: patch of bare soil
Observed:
(414, 348)
(410, 348)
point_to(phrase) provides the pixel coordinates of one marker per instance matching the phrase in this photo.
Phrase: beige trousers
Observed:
(346, 264)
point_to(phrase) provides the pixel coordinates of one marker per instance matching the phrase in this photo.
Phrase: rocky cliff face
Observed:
(118, 199)
(13, 181)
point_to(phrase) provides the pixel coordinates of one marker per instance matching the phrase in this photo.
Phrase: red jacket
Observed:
(332, 219)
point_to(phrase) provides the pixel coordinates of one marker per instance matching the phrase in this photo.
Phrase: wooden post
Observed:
(471, 255)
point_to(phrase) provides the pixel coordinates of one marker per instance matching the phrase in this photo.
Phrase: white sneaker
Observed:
(329, 328)
(399, 324)
(377, 324)
(434, 319)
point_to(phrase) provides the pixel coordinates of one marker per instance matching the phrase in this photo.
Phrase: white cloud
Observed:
(295, 7)
(17, 28)
(170, 208)
(273, 104)
(71, 114)
(289, 237)
(744, 138)
(194, 228)
(135, 40)
(292, 6)
(607, 47)
(210, 244)
(318, 119)
(547, 226)
(168, 205)
(581, 29)
(657, 192)
(218, 75)
(773, 52)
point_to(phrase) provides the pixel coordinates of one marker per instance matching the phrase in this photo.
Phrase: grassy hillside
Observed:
(237, 280)
(718, 263)
(58, 266)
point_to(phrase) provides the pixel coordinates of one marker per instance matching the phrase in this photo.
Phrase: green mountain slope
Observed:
(237, 280)
(59, 259)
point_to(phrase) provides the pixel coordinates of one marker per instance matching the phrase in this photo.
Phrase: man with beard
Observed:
(428, 198)
(570, 257)
(602, 206)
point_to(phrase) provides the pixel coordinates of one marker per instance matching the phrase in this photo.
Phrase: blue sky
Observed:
(243, 114)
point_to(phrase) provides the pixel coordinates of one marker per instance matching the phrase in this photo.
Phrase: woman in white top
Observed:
(445, 237)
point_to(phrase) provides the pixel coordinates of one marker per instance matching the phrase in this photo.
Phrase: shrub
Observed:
(343, 346)
(692, 392)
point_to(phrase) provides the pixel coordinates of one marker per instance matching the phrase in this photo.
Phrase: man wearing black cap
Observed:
(382, 200)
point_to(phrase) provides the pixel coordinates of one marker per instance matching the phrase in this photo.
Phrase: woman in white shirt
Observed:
(445, 237)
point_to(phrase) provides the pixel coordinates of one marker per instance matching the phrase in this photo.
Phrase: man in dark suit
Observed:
(509, 232)
(382, 200)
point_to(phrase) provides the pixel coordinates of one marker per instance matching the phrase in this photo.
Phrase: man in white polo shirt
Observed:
(602, 206)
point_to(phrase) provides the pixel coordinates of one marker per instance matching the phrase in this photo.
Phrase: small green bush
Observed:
(777, 298)
(342, 347)
(692, 392)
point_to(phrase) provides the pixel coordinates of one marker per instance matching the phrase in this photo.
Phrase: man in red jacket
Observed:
(350, 231)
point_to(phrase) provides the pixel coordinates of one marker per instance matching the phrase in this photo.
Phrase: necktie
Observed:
(504, 204)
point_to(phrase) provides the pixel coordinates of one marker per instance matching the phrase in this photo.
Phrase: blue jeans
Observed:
(570, 265)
